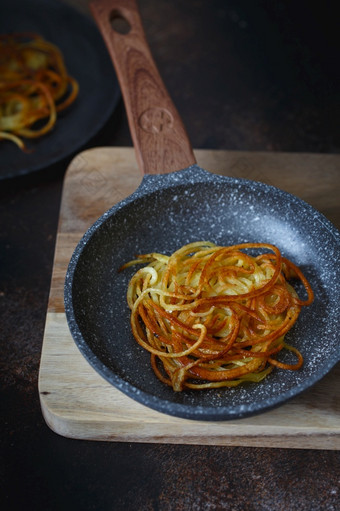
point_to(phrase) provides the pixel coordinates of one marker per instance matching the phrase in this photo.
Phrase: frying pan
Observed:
(177, 203)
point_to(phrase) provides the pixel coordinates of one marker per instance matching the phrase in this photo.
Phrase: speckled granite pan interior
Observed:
(162, 215)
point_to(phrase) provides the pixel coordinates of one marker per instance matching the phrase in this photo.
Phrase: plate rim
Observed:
(114, 98)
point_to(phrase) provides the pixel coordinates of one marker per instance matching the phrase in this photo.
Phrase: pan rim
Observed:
(208, 413)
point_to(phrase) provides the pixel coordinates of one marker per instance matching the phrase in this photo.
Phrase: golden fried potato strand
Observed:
(34, 87)
(214, 316)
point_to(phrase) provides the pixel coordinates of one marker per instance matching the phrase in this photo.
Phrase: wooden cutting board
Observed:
(78, 403)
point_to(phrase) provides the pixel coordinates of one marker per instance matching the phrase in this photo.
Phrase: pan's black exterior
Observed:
(165, 213)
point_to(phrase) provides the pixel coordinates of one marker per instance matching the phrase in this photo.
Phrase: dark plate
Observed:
(86, 59)
(162, 215)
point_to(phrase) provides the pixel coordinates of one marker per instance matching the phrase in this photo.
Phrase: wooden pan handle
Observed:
(160, 139)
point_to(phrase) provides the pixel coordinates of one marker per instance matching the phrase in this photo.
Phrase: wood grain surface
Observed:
(158, 133)
(78, 403)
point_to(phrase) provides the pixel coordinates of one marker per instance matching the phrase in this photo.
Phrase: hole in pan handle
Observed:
(119, 23)
(159, 136)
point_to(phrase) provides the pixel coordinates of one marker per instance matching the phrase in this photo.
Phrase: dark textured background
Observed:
(248, 75)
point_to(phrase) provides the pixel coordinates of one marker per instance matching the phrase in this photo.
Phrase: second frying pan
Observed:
(178, 207)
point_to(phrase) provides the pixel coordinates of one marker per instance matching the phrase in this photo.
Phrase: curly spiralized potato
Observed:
(34, 87)
(215, 316)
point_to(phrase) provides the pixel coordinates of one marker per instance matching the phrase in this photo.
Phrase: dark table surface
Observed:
(244, 75)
